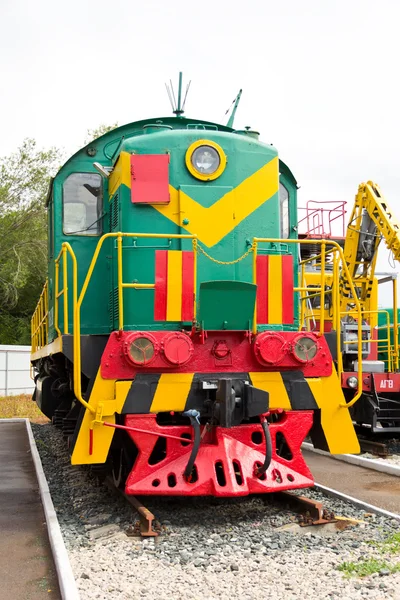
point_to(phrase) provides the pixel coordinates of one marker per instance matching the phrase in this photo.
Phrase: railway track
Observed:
(377, 491)
(382, 446)
(208, 542)
(310, 512)
(380, 449)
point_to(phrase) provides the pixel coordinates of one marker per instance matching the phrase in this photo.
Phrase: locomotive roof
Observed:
(136, 128)
(110, 142)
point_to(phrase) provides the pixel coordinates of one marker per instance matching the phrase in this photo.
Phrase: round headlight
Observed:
(140, 349)
(305, 348)
(206, 160)
(352, 382)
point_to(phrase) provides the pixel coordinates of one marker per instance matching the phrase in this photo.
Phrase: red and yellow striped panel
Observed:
(174, 286)
(275, 289)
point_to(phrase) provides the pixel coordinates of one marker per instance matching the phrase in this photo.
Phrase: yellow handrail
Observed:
(336, 313)
(77, 310)
(302, 304)
(65, 250)
(335, 248)
(39, 320)
(120, 284)
(322, 300)
(395, 325)
(377, 341)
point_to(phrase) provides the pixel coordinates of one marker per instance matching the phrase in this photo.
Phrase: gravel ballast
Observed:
(393, 459)
(210, 549)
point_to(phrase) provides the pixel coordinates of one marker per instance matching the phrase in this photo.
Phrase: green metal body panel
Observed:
(245, 156)
(226, 305)
(382, 331)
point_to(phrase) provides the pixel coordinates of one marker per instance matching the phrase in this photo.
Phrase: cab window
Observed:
(82, 204)
(284, 211)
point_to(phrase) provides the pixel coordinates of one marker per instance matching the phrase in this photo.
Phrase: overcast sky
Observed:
(320, 78)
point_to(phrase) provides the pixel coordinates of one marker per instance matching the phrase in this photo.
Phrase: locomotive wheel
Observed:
(117, 466)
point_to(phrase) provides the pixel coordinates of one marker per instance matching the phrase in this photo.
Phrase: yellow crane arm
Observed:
(370, 221)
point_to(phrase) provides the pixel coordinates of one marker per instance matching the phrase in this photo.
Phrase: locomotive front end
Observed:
(171, 343)
(206, 370)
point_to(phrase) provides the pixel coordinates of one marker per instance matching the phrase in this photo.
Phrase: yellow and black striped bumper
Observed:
(153, 393)
(333, 430)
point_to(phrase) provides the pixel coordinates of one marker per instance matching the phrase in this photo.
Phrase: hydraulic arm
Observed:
(370, 221)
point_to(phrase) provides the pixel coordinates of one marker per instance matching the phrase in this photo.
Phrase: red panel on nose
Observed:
(150, 179)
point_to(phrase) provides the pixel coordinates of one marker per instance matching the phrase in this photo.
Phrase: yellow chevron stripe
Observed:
(172, 392)
(121, 174)
(273, 384)
(274, 289)
(215, 222)
(174, 285)
(335, 420)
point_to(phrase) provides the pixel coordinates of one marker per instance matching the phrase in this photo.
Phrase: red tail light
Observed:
(178, 348)
(270, 348)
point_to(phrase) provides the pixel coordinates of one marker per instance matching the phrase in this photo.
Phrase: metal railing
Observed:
(40, 318)
(304, 295)
(66, 250)
(385, 342)
(121, 286)
(39, 322)
(318, 220)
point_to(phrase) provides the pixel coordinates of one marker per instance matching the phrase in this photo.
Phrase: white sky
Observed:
(320, 78)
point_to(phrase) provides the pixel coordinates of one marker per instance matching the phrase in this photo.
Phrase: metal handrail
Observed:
(121, 285)
(377, 341)
(395, 325)
(41, 315)
(316, 216)
(63, 255)
(336, 250)
(39, 320)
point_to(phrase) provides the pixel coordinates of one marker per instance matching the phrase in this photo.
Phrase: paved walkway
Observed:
(370, 486)
(27, 570)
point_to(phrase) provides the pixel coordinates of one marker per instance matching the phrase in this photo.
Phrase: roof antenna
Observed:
(236, 104)
(177, 107)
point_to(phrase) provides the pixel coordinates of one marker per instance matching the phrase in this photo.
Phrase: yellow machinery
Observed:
(371, 221)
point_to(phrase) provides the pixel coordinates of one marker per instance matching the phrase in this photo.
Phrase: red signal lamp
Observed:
(177, 348)
(270, 348)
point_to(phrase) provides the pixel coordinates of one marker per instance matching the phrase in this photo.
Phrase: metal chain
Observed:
(222, 262)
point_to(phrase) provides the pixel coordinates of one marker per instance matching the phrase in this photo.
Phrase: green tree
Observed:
(24, 181)
(93, 134)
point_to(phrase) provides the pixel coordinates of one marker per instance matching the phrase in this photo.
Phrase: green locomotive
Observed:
(167, 343)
